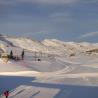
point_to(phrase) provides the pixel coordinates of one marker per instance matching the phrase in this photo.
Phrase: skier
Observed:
(11, 55)
(6, 94)
(22, 55)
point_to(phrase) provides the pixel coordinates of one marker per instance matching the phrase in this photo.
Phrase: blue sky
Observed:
(68, 20)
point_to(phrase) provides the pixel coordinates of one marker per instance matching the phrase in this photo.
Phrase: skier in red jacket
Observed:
(6, 94)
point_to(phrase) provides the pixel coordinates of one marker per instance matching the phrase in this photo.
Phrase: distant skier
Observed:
(11, 54)
(22, 55)
(6, 94)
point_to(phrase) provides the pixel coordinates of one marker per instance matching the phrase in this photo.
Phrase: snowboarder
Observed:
(22, 55)
(6, 94)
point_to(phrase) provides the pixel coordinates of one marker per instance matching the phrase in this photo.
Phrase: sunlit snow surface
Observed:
(59, 76)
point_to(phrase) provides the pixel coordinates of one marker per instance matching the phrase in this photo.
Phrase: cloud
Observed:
(60, 14)
(54, 2)
(91, 34)
(45, 2)
(61, 17)
(38, 32)
(89, 1)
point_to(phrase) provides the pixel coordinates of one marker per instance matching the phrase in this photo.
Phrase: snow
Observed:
(28, 44)
(57, 75)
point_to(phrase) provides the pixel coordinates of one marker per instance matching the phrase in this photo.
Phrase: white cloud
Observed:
(89, 34)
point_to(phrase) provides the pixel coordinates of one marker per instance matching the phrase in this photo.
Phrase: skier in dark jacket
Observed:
(22, 55)
(11, 55)
(6, 94)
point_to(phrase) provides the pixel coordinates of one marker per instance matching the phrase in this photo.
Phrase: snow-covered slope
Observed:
(56, 76)
(76, 79)
(68, 48)
(49, 46)
(28, 44)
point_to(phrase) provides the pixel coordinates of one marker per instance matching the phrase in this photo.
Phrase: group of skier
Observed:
(11, 56)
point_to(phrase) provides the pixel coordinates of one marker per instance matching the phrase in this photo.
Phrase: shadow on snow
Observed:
(68, 91)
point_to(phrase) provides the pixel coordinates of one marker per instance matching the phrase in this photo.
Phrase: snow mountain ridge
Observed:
(49, 46)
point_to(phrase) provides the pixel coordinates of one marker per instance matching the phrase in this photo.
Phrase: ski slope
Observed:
(62, 83)
(55, 76)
